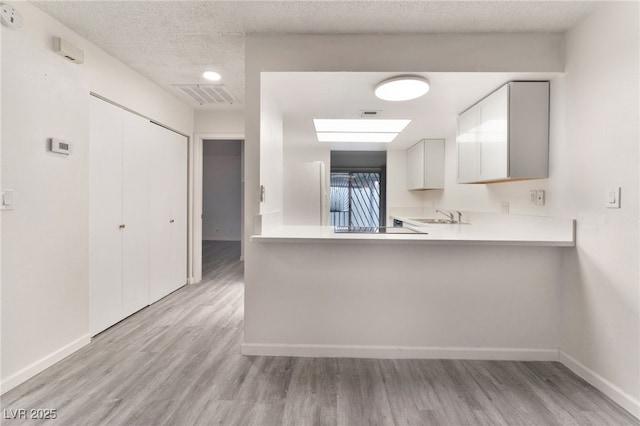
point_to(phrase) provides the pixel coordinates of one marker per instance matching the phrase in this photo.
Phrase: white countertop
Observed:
(479, 229)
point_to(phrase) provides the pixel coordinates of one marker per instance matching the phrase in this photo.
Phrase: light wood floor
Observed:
(178, 362)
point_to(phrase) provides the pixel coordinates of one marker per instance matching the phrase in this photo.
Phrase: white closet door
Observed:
(105, 175)
(135, 195)
(179, 210)
(168, 153)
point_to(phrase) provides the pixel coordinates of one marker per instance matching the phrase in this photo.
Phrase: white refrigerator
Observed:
(306, 196)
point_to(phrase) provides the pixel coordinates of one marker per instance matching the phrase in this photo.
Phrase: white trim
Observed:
(620, 397)
(195, 189)
(399, 352)
(42, 364)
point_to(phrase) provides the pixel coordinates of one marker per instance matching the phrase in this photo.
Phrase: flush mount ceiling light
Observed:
(211, 75)
(402, 88)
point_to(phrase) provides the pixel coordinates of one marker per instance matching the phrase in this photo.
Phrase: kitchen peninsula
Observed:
(477, 228)
(488, 289)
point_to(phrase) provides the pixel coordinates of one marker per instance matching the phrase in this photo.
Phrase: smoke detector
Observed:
(10, 17)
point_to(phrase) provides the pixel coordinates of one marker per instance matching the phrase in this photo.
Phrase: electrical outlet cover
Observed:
(10, 17)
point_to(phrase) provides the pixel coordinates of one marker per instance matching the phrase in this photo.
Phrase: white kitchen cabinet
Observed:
(505, 136)
(122, 215)
(425, 165)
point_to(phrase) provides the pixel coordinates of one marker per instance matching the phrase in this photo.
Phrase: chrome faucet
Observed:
(450, 215)
(447, 214)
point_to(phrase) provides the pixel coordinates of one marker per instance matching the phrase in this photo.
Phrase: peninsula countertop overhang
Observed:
(479, 229)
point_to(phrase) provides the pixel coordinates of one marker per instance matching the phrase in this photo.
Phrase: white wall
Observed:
(221, 218)
(225, 122)
(45, 264)
(601, 288)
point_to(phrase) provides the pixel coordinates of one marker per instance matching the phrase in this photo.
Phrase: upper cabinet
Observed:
(425, 165)
(505, 136)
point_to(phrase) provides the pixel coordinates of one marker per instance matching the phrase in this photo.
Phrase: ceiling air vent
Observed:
(370, 113)
(208, 94)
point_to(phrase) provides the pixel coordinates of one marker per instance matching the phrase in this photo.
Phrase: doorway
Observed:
(222, 202)
(356, 198)
(358, 188)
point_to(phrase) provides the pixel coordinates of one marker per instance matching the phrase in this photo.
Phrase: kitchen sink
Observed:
(430, 220)
(436, 221)
(376, 230)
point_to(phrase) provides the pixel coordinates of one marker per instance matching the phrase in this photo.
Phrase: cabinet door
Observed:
(105, 215)
(434, 164)
(467, 145)
(168, 201)
(492, 136)
(135, 212)
(415, 166)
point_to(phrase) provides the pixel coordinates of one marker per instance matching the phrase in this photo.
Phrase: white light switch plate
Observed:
(6, 199)
(612, 200)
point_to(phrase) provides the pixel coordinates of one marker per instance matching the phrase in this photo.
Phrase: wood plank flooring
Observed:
(178, 362)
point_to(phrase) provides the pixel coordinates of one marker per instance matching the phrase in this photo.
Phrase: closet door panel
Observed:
(160, 184)
(135, 159)
(179, 210)
(105, 212)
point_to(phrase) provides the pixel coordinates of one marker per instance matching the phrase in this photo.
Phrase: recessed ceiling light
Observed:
(356, 137)
(211, 75)
(402, 88)
(360, 125)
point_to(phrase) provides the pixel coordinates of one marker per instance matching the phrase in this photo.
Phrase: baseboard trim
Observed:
(42, 364)
(620, 397)
(396, 352)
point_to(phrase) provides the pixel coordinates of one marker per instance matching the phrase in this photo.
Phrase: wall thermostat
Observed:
(60, 146)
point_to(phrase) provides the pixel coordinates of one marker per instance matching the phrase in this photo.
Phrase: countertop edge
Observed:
(355, 240)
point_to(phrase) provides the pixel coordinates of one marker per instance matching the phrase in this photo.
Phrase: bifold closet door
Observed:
(179, 203)
(105, 215)
(135, 213)
(168, 234)
(119, 214)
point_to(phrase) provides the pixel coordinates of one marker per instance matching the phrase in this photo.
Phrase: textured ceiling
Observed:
(173, 42)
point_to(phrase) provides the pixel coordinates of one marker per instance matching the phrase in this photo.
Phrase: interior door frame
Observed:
(196, 194)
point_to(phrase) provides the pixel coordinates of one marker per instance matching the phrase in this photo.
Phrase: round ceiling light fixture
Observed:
(402, 88)
(211, 75)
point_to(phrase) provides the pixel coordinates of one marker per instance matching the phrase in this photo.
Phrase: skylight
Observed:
(360, 125)
(358, 130)
(356, 137)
